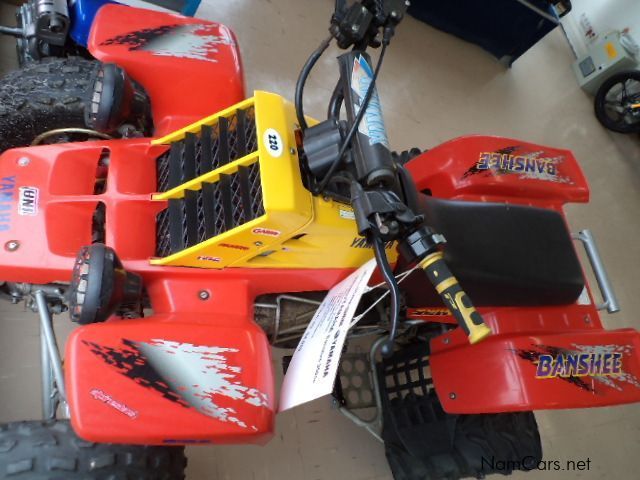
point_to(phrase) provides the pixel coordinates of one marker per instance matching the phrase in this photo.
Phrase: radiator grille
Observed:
(218, 206)
(229, 139)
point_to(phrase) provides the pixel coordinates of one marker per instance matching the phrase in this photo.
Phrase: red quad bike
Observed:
(187, 253)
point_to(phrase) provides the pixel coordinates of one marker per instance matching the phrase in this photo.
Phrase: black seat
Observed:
(503, 255)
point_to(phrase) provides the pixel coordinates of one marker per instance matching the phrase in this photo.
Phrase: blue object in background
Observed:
(505, 28)
(82, 13)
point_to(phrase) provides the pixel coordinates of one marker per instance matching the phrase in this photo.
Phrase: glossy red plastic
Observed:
(499, 374)
(189, 67)
(199, 369)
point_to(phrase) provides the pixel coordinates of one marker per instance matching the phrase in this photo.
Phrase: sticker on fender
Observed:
(313, 368)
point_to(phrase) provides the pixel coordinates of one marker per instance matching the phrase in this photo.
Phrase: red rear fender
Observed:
(501, 169)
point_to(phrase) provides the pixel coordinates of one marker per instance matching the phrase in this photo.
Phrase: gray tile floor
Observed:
(433, 88)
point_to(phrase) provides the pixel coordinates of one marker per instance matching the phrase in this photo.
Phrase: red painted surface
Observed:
(447, 170)
(488, 377)
(183, 90)
(491, 376)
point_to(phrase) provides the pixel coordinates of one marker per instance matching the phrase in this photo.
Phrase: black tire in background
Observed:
(38, 450)
(604, 104)
(44, 96)
(482, 445)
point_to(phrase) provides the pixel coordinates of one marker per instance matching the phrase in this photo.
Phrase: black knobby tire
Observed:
(483, 444)
(38, 450)
(405, 156)
(44, 96)
(628, 123)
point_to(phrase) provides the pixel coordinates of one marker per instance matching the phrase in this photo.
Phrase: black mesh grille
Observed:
(202, 214)
(229, 139)
(228, 203)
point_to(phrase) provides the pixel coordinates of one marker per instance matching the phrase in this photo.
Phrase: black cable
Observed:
(363, 108)
(394, 292)
(302, 79)
(335, 104)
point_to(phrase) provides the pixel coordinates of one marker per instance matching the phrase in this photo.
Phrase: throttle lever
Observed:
(454, 297)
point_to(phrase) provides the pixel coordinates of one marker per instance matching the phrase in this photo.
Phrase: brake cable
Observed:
(302, 79)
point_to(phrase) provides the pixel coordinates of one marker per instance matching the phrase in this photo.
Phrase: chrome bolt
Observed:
(445, 340)
(292, 151)
(258, 244)
(354, 28)
(23, 161)
(12, 245)
(452, 395)
(587, 319)
(203, 295)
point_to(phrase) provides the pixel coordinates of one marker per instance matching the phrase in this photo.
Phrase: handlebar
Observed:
(454, 297)
(356, 153)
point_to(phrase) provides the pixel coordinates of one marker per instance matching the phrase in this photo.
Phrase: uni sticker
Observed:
(273, 142)
(28, 201)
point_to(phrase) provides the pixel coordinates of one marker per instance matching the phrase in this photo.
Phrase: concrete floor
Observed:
(433, 87)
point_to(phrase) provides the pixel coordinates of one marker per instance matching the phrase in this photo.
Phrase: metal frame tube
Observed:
(13, 31)
(49, 340)
(48, 404)
(373, 426)
(599, 270)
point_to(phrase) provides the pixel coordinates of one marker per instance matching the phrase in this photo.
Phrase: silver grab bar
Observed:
(610, 302)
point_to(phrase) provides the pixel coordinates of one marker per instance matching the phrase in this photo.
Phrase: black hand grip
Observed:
(454, 297)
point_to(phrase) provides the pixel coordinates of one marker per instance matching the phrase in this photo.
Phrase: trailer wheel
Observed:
(50, 450)
(44, 96)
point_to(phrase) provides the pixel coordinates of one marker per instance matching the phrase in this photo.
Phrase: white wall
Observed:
(604, 16)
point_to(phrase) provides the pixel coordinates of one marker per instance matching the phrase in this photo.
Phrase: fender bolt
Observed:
(452, 395)
(587, 319)
(292, 151)
(258, 244)
(445, 341)
(12, 245)
(203, 295)
(23, 161)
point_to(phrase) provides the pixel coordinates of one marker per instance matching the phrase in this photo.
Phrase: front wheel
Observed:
(50, 450)
(617, 102)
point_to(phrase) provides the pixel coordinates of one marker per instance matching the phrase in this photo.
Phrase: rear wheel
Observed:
(51, 450)
(482, 445)
(617, 102)
(44, 96)
(423, 442)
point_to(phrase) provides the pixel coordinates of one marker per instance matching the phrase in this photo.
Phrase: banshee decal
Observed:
(526, 165)
(195, 41)
(586, 366)
(193, 376)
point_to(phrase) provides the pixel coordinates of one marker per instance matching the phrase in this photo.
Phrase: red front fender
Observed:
(190, 68)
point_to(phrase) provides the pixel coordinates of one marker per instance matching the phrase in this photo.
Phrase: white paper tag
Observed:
(313, 368)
